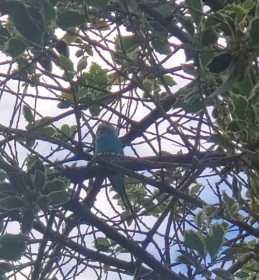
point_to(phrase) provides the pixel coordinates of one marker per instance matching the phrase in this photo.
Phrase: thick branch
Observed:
(212, 159)
(163, 186)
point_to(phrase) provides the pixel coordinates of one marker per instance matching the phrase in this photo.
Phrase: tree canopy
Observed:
(178, 80)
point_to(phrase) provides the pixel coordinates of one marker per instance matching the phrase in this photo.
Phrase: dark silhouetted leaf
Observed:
(209, 37)
(160, 43)
(28, 21)
(195, 8)
(12, 246)
(82, 63)
(58, 198)
(102, 244)
(11, 203)
(215, 239)
(70, 18)
(254, 31)
(220, 63)
(65, 63)
(194, 240)
(45, 61)
(6, 267)
(27, 113)
(15, 46)
(62, 47)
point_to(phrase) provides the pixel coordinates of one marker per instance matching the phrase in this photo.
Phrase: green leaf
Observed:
(39, 180)
(54, 185)
(126, 44)
(47, 131)
(187, 259)
(102, 244)
(34, 163)
(59, 197)
(38, 125)
(70, 18)
(82, 63)
(209, 37)
(27, 113)
(79, 53)
(95, 109)
(65, 63)
(96, 77)
(62, 47)
(223, 274)
(245, 87)
(28, 21)
(195, 8)
(200, 218)
(160, 43)
(6, 267)
(192, 104)
(12, 246)
(240, 106)
(206, 56)
(169, 80)
(65, 129)
(145, 202)
(45, 61)
(211, 211)
(257, 9)
(195, 241)
(231, 206)
(11, 203)
(15, 46)
(254, 31)
(89, 49)
(254, 182)
(148, 85)
(4, 35)
(48, 11)
(65, 132)
(234, 126)
(95, 94)
(242, 275)
(64, 104)
(215, 239)
(220, 63)
(195, 189)
(165, 10)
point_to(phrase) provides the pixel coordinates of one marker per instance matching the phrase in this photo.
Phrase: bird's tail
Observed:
(118, 185)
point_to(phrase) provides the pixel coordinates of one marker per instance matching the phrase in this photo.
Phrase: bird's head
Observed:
(105, 128)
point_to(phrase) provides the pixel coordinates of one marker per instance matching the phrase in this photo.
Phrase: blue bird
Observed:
(107, 142)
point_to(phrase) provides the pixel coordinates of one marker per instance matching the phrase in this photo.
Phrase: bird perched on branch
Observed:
(107, 142)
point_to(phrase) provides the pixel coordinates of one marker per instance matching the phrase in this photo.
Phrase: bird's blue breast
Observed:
(107, 143)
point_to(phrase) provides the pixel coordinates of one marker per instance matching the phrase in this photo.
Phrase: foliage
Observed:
(179, 82)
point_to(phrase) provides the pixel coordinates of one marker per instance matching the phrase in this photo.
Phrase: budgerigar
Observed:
(108, 143)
